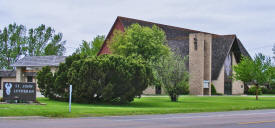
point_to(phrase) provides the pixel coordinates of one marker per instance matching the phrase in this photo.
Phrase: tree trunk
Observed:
(257, 91)
(174, 98)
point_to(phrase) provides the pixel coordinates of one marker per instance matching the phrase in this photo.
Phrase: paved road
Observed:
(234, 119)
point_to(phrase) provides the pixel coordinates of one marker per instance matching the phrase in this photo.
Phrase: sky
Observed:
(253, 21)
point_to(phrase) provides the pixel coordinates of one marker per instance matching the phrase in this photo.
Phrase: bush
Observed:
(172, 74)
(268, 91)
(252, 91)
(56, 86)
(214, 91)
(108, 78)
(45, 82)
(264, 90)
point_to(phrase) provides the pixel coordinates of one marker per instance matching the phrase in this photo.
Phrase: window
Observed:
(29, 79)
(196, 43)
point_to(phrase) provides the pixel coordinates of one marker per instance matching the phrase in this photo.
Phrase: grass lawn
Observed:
(145, 105)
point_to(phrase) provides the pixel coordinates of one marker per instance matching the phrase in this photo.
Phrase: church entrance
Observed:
(228, 88)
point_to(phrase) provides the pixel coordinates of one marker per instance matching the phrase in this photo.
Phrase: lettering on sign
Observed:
(19, 91)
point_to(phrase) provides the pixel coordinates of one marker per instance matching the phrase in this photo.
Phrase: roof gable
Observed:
(178, 41)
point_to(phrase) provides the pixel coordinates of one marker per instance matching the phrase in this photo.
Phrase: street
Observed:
(233, 119)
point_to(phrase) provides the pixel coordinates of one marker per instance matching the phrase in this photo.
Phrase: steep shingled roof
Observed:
(178, 40)
(39, 61)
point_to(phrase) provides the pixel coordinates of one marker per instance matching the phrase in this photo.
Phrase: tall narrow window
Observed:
(195, 43)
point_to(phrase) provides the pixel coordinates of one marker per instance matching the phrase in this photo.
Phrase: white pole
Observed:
(70, 99)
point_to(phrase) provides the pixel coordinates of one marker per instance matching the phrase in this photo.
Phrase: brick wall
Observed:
(117, 26)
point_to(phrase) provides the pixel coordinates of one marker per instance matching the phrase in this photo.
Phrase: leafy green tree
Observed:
(56, 46)
(141, 42)
(46, 82)
(91, 48)
(173, 76)
(56, 86)
(12, 44)
(15, 43)
(108, 78)
(257, 71)
(43, 41)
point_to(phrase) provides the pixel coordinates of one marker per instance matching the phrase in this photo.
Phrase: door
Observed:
(158, 90)
(228, 88)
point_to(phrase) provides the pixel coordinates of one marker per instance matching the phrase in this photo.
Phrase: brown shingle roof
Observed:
(178, 38)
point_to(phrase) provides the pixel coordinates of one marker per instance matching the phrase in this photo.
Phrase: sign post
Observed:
(70, 98)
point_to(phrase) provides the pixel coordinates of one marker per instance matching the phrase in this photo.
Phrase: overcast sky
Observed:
(253, 21)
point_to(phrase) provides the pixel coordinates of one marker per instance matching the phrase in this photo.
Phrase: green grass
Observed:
(145, 105)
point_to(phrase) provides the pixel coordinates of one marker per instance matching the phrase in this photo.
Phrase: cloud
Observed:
(253, 22)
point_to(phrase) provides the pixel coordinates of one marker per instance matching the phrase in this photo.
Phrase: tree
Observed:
(257, 71)
(12, 44)
(56, 46)
(46, 82)
(140, 42)
(43, 41)
(106, 78)
(91, 48)
(56, 85)
(173, 75)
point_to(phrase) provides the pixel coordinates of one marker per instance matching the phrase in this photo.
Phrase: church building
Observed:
(211, 56)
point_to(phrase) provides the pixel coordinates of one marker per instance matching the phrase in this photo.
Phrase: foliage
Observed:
(257, 71)
(15, 43)
(268, 90)
(55, 86)
(91, 48)
(12, 44)
(252, 90)
(46, 82)
(108, 78)
(140, 42)
(43, 41)
(173, 76)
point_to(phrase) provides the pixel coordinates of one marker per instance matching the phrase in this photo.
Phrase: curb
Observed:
(22, 117)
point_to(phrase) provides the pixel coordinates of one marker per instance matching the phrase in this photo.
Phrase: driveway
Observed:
(233, 119)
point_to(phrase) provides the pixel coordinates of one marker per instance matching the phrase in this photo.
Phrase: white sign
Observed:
(205, 84)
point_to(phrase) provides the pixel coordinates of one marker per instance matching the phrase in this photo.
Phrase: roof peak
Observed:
(175, 27)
